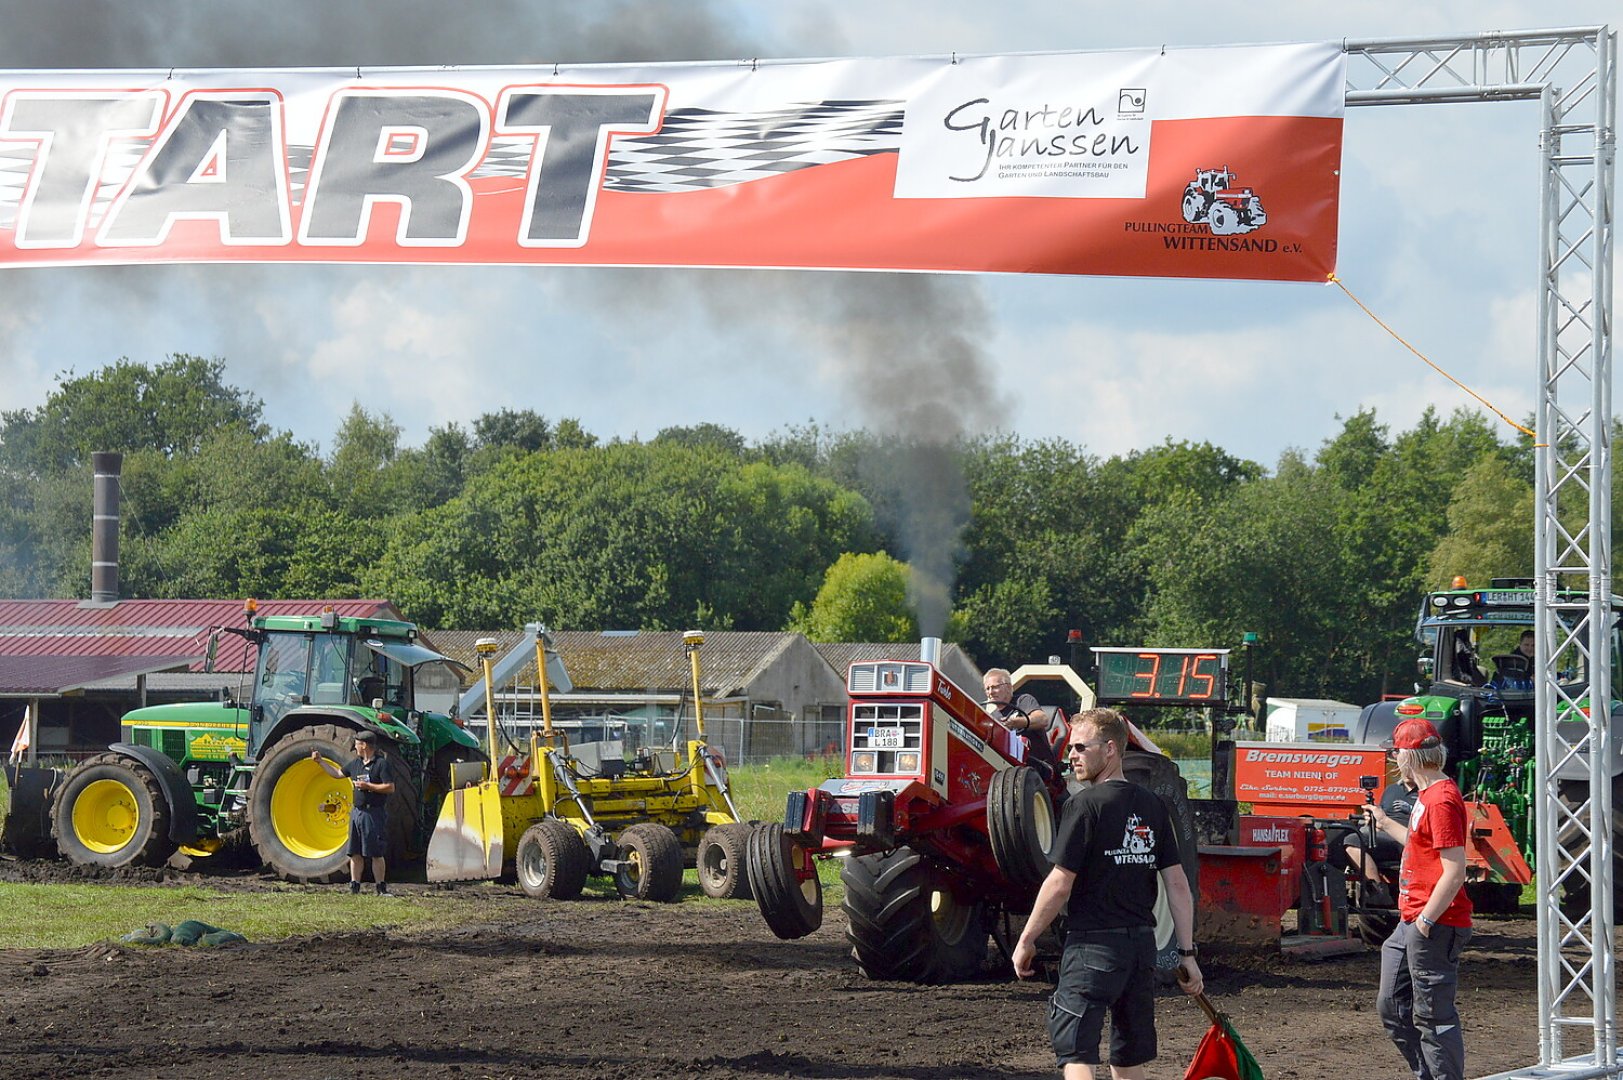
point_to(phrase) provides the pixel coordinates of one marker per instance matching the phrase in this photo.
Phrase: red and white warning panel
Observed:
(515, 776)
(1205, 162)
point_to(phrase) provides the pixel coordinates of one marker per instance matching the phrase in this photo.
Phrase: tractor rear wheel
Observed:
(784, 882)
(111, 812)
(654, 858)
(551, 862)
(904, 921)
(1375, 923)
(1020, 825)
(722, 863)
(298, 816)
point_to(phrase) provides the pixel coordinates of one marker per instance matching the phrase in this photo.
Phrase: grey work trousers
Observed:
(1419, 978)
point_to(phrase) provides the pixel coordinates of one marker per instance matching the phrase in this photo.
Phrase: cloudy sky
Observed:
(1438, 221)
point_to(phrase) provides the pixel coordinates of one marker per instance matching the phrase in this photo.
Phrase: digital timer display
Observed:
(1162, 676)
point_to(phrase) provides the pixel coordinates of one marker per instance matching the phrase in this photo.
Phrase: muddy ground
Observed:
(605, 989)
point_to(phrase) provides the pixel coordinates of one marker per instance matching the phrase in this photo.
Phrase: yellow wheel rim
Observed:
(310, 810)
(105, 816)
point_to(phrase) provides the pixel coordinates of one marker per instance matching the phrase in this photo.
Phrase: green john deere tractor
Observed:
(191, 777)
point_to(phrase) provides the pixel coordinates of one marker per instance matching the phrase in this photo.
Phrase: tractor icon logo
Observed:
(1212, 197)
(1139, 838)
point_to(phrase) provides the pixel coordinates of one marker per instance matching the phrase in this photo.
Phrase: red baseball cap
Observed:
(1414, 734)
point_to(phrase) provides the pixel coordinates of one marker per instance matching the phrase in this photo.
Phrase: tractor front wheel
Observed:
(721, 862)
(653, 869)
(1020, 825)
(905, 921)
(785, 883)
(111, 812)
(551, 862)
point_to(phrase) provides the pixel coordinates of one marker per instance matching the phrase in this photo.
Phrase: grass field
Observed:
(34, 916)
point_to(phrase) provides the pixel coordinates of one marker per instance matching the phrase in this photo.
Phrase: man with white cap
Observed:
(1420, 960)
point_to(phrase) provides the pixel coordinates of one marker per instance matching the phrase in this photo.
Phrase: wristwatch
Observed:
(1186, 952)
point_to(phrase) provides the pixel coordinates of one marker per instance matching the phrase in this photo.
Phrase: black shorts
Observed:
(369, 832)
(1105, 970)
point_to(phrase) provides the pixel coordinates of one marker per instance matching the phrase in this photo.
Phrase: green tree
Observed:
(1490, 527)
(169, 408)
(863, 598)
(625, 536)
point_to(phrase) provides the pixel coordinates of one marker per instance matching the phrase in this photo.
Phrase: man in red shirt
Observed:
(1420, 961)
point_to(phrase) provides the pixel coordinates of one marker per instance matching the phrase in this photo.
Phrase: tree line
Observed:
(518, 517)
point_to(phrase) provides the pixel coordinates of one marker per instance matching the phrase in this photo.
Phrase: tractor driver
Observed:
(1021, 715)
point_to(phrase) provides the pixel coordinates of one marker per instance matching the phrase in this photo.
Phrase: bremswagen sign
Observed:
(1212, 162)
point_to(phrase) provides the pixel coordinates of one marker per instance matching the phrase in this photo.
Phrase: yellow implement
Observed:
(467, 840)
(557, 818)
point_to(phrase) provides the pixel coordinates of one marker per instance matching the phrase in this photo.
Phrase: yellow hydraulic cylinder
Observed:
(691, 641)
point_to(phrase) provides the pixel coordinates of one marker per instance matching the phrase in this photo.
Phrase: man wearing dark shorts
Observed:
(369, 816)
(1114, 848)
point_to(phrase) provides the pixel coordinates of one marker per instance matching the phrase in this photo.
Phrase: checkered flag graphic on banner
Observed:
(704, 148)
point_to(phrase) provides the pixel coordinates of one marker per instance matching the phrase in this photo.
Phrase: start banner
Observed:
(1212, 163)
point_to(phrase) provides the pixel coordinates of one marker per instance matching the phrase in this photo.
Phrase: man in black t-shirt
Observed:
(369, 815)
(1113, 850)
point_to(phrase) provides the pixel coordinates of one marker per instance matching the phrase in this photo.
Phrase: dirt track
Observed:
(603, 988)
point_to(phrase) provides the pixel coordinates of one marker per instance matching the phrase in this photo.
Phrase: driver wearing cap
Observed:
(1420, 961)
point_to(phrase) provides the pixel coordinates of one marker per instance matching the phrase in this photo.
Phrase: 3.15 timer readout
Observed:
(1147, 676)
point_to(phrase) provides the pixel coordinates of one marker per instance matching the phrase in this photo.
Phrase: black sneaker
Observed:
(354, 888)
(383, 888)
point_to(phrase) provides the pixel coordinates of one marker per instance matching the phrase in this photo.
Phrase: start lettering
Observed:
(221, 156)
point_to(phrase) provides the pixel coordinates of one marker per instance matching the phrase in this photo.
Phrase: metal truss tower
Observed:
(1572, 73)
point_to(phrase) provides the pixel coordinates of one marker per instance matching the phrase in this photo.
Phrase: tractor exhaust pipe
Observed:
(930, 651)
(104, 535)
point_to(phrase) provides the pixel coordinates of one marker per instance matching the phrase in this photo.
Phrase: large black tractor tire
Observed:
(111, 812)
(654, 864)
(1020, 825)
(551, 862)
(784, 882)
(1375, 921)
(1575, 893)
(722, 862)
(904, 921)
(298, 816)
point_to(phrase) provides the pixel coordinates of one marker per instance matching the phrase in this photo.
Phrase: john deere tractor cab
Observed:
(187, 776)
(1478, 688)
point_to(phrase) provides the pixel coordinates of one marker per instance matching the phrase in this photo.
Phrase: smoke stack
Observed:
(104, 535)
(930, 651)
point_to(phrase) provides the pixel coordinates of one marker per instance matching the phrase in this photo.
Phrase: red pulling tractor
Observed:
(941, 827)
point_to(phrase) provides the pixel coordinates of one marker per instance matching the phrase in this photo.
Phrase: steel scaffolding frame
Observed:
(1572, 72)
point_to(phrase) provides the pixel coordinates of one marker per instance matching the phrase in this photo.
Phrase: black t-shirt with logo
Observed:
(375, 772)
(1116, 837)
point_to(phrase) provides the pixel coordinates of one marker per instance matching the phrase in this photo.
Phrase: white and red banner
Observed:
(1218, 162)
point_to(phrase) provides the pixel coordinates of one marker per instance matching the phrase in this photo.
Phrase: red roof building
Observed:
(80, 665)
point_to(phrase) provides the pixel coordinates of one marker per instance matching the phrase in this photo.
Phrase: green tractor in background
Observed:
(1478, 690)
(189, 778)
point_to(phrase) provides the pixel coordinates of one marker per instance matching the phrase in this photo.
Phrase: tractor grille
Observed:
(174, 745)
(889, 677)
(887, 738)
